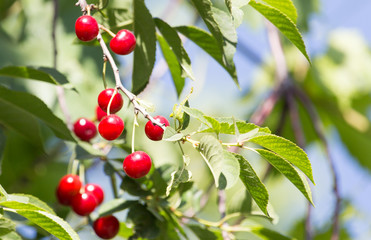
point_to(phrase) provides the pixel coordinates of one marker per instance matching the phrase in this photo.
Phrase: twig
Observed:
(318, 129)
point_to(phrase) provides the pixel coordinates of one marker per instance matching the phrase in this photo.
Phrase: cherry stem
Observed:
(107, 30)
(110, 101)
(132, 97)
(82, 173)
(135, 123)
(104, 71)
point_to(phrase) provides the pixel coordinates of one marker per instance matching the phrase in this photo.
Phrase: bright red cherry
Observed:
(86, 28)
(84, 203)
(111, 127)
(123, 43)
(106, 227)
(105, 96)
(155, 132)
(68, 187)
(96, 190)
(99, 113)
(137, 164)
(84, 129)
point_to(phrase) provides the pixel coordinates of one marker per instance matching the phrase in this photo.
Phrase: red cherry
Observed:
(123, 43)
(96, 190)
(84, 203)
(155, 132)
(137, 164)
(84, 129)
(99, 113)
(106, 227)
(105, 96)
(68, 187)
(111, 127)
(86, 28)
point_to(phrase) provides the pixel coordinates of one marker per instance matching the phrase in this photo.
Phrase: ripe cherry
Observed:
(99, 113)
(123, 43)
(68, 187)
(86, 28)
(84, 203)
(111, 127)
(137, 164)
(106, 227)
(105, 96)
(84, 129)
(155, 132)
(96, 190)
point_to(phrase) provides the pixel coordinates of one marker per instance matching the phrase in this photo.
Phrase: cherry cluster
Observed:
(84, 200)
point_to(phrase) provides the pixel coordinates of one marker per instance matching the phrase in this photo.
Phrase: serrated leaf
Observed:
(114, 205)
(51, 223)
(208, 43)
(253, 184)
(19, 108)
(195, 113)
(220, 24)
(288, 171)
(287, 150)
(223, 165)
(173, 64)
(175, 43)
(25, 201)
(215, 125)
(44, 74)
(181, 175)
(286, 7)
(283, 23)
(145, 50)
(6, 226)
(171, 135)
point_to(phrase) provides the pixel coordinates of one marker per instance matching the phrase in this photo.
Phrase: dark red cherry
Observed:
(68, 187)
(111, 127)
(84, 203)
(106, 227)
(155, 132)
(137, 164)
(86, 28)
(104, 98)
(96, 190)
(84, 129)
(99, 113)
(123, 43)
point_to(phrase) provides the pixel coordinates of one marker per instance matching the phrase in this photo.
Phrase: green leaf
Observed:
(125, 231)
(6, 226)
(25, 202)
(264, 233)
(133, 187)
(234, 8)
(11, 236)
(195, 113)
(3, 193)
(144, 221)
(283, 23)
(44, 74)
(171, 135)
(115, 205)
(175, 43)
(289, 171)
(223, 165)
(209, 44)
(222, 28)
(204, 233)
(287, 150)
(19, 111)
(286, 7)
(85, 150)
(51, 223)
(252, 182)
(145, 50)
(173, 64)
(179, 176)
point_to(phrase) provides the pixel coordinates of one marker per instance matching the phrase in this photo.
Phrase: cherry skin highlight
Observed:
(99, 113)
(84, 129)
(84, 203)
(123, 43)
(111, 127)
(137, 164)
(155, 132)
(96, 190)
(68, 187)
(105, 96)
(86, 28)
(106, 227)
